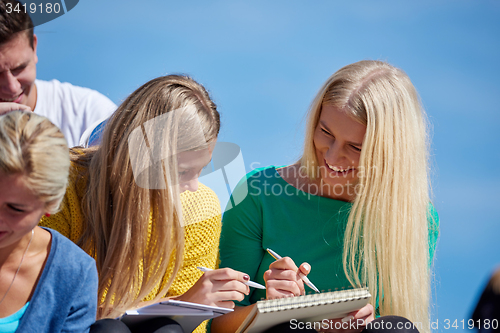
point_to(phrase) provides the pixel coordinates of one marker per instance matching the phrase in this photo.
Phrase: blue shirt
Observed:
(9, 324)
(65, 298)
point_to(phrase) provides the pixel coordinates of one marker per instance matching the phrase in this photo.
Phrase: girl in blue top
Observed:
(47, 284)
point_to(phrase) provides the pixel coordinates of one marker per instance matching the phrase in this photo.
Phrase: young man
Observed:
(73, 109)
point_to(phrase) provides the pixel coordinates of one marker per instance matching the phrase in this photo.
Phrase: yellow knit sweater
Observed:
(202, 220)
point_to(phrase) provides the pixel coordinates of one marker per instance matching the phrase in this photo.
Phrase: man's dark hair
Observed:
(14, 22)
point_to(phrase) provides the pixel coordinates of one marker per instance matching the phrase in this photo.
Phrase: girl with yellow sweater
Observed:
(134, 203)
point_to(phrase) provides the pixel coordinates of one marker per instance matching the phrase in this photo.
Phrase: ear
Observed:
(35, 43)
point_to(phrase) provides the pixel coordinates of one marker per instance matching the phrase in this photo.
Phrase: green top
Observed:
(293, 223)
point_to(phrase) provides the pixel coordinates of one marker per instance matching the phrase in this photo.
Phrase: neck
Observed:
(348, 192)
(15, 250)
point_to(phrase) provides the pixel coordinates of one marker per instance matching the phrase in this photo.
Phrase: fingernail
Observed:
(246, 277)
(348, 318)
(307, 267)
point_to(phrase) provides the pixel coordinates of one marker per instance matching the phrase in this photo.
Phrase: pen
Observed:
(302, 276)
(249, 283)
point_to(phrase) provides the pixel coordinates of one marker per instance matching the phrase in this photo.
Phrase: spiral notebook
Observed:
(306, 308)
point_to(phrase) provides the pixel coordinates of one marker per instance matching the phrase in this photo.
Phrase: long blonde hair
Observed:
(132, 226)
(386, 239)
(31, 145)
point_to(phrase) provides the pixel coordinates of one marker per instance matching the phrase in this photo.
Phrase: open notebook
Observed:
(188, 315)
(306, 308)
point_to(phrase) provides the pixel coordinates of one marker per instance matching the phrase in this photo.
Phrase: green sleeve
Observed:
(241, 235)
(433, 221)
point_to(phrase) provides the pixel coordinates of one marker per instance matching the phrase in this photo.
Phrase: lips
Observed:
(339, 171)
(16, 99)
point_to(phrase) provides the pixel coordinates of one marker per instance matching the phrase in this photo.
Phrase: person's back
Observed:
(71, 108)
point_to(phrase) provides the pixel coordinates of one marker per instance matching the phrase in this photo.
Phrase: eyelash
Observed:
(328, 133)
(16, 71)
(16, 209)
(325, 131)
(185, 172)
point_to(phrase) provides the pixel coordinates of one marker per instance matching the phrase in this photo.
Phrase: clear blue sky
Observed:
(263, 61)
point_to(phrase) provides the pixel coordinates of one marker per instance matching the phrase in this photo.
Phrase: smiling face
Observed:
(18, 71)
(190, 165)
(338, 140)
(20, 209)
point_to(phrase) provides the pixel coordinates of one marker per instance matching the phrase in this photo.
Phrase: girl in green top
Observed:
(355, 206)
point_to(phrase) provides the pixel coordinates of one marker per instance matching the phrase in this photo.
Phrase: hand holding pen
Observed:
(284, 278)
(248, 283)
(219, 287)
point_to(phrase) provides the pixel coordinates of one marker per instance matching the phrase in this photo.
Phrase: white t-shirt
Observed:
(73, 109)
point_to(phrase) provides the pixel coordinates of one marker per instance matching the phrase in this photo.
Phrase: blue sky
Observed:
(264, 61)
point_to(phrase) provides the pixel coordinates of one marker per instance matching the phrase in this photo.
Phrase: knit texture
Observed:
(202, 220)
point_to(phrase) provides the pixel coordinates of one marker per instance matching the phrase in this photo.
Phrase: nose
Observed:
(9, 83)
(335, 154)
(338, 155)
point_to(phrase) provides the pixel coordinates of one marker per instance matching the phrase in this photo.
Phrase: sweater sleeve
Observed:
(202, 219)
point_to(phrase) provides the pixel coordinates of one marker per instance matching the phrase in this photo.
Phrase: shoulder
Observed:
(203, 196)
(68, 91)
(257, 182)
(63, 86)
(74, 258)
(258, 178)
(66, 288)
(68, 260)
(201, 205)
(264, 172)
(205, 191)
(252, 190)
(42, 84)
(60, 88)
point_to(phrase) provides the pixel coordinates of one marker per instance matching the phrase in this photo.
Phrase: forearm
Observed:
(230, 322)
